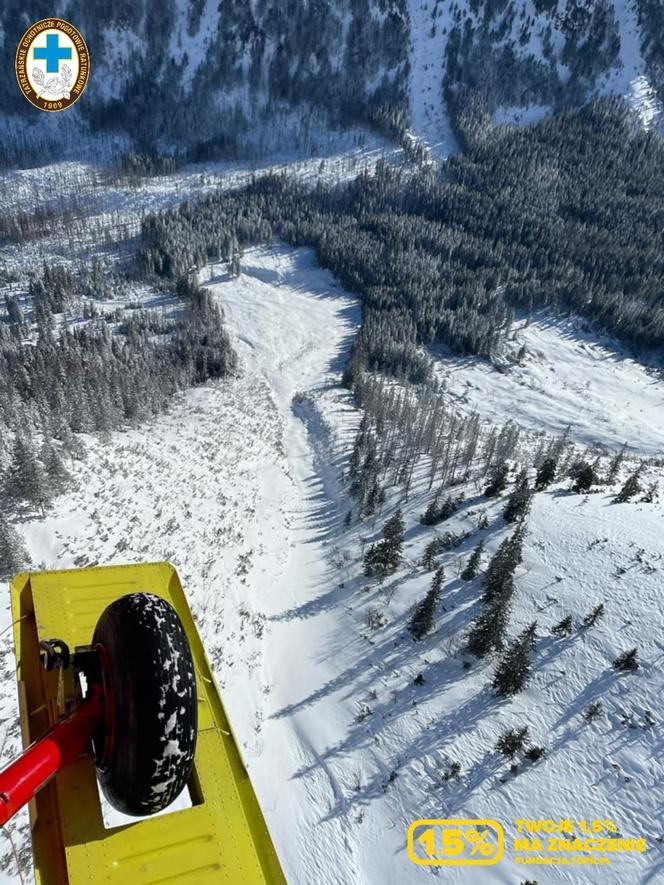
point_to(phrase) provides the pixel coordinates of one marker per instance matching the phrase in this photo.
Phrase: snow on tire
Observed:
(148, 673)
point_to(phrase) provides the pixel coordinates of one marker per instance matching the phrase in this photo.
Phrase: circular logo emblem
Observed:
(52, 64)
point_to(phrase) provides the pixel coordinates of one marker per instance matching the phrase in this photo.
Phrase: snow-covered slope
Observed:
(428, 35)
(524, 58)
(236, 487)
(94, 207)
(565, 376)
(630, 77)
(232, 71)
(239, 486)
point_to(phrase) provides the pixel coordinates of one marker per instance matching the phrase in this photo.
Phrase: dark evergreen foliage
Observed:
(592, 617)
(26, 480)
(534, 754)
(513, 670)
(499, 577)
(488, 631)
(546, 474)
(616, 463)
(340, 62)
(422, 618)
(382, 559)
(518, 503)
(631, 487)
(13, 556)
(431, 551)
(563, 628)
(583, 476)
(497, 482)
(438, 511)
(94, 376)
(512, 742)
(448, 259)
(593, 711)
(627, 662)
(472, 567)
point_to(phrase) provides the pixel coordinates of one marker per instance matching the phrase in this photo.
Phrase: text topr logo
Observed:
(52, 64)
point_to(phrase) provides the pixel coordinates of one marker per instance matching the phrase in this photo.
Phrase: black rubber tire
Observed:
(148, 672)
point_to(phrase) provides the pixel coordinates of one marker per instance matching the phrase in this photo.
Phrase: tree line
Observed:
(565, 215)
(59, 379)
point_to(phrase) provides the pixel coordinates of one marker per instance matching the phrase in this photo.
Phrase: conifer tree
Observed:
(518, 502)
(512, 741)
(563, 628)
(583, 475)
(393, 532)
(382, 559)
(421, 621)
(592, 617)
(631, 487)
(13, 556)
(616, 463)
(26, 479)
(488, 631)
(56, 472)
(627, 661)
(431, 551)
(513, 669)
(546, 474)
(473, 565)
(497, 481)
(438, 512)
(429, 517)
(499, 578)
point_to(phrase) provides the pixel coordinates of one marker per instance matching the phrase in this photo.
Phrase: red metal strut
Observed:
(23, 777)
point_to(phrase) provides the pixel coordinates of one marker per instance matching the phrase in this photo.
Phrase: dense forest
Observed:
(231, 70)
(565, 215)
(59, 378)
(204, 79)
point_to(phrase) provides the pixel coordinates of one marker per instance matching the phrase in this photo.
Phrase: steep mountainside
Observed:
(207, 74)
(164, 71)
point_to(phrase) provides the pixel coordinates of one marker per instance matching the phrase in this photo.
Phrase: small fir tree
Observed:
(546, 474)
(563, 628)
(512, 742)
(488, 631)
(473, 565)
(497, 481)
(13, 555)
(26, 479)
(631, 487)
(422, 619)
(518, 502)
(592, 617)
(627, 662)
(584, 477)
(513, 670)
(431, 551)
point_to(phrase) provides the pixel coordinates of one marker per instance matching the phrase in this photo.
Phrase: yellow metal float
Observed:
(222, 838)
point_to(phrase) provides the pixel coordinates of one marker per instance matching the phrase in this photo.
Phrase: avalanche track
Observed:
(237, 486)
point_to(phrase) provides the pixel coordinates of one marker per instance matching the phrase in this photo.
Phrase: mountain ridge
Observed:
(198, 76)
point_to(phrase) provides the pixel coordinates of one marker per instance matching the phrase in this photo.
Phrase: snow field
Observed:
(239, 486)
(568, 376)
